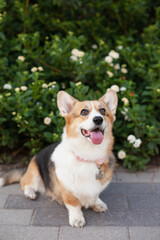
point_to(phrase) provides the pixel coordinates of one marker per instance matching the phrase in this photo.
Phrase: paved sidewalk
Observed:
(133, 200)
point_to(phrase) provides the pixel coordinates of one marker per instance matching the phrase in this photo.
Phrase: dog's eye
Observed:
(102, 111)
(84, 112)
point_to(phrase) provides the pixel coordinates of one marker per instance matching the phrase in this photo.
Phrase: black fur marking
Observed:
(44, 162)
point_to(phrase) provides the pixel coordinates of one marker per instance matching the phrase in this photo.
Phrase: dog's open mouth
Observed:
(95, 135)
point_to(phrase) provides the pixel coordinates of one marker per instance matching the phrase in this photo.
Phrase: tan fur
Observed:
(31, 173)
(67, 196)
(108, 172)
(13, 176)
(74, 118)
(59, 193)
(55, 191)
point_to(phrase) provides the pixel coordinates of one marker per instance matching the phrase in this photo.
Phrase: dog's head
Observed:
(90, 120)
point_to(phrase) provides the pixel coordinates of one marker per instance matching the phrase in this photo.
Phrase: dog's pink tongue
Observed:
(96, 137)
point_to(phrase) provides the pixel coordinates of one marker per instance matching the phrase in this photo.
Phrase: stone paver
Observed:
(28, 233)
(51, 217)
(11, 189)
(157, 187)
(130, 188)
(3, 199)
(20, 202)
(140, 202)
(15, 217)
(141, 233)
(140, 217)
(132, 199)
(90, 233)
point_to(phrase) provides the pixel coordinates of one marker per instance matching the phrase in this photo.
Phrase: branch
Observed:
(49, 66)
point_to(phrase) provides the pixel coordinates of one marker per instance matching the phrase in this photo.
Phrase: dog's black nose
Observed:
(98, 120)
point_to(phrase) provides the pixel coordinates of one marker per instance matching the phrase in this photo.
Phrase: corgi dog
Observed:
(76, 170)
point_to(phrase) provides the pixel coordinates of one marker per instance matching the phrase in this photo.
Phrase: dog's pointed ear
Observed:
(65, 103)
(111, 100)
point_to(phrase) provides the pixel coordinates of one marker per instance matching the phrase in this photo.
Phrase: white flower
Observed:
(126, 118)
(117, 66)
(53, 86)
(17, 89)
(123, 89)
(78, 83)
(108, 59)
(94, 46)
(114, 54)
(74, 58)
(120, 47)
(47, 120)
(124, 70)
(13, 113)
(115, 88)
(34, 69)
(7, 86)
(137, 143)
(110, 74)
(121, 154)
(77, 53)
(44, 85)
(8, 94)
(21, 58)
(125, 100)
(23, 88)
(40, 69)
(80, 54)
(125, 113)
(131, 138)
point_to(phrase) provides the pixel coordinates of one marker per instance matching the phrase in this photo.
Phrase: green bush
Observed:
(83, 47)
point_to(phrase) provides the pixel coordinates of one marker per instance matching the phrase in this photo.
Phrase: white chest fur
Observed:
(78, 177)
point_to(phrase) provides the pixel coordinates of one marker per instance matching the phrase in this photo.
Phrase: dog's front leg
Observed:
(76, 218)
(73, 205)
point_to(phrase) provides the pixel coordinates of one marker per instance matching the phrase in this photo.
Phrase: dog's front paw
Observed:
(77, 222)
(100, 206)
(30, 193)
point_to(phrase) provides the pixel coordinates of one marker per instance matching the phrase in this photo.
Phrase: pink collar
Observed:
(99, 161)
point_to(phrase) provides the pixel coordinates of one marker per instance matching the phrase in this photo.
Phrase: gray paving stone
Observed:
(15, 217)
(142, 177)
(51, 217)
(92, 218)
(90, 233)
(26, 233)
(156, 176)
(137, 217)
(11, 189)
(20, 202)
(139, 202)
(114, 201)
(157, 187)
(3, 199)
(141, 233)
(130, 188)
